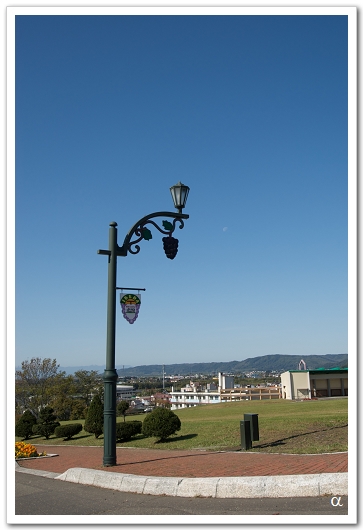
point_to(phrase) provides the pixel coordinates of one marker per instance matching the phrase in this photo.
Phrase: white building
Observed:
(225, 381)
(193, 394)
(309, 384)
(187, 397)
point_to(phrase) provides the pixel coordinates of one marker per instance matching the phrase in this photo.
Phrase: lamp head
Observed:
(179, 193)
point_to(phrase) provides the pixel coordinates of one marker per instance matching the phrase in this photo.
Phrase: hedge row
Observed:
(125, 431)
(67, 431)
(160, 423)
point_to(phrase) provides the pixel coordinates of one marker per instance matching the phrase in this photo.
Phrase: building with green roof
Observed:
(318, 383)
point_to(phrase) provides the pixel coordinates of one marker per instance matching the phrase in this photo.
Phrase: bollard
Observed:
(253, 420)
(246, 442)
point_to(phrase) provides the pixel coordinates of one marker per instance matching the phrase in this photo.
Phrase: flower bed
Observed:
(24, 450)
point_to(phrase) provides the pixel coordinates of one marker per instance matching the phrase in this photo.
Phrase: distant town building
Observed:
(194, 394)
(138, 404)
(161, 399)
(225, 381)
(191, 396)
(124, 392)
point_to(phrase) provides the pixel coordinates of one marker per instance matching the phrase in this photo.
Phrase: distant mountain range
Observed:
(264, 363)
(69, 370)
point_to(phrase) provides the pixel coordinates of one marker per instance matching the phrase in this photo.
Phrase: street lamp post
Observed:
(179, 194)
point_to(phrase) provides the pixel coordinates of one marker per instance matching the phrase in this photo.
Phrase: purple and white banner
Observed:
(130, 305)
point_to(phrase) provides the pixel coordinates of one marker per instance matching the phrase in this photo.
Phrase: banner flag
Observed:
(130, 305)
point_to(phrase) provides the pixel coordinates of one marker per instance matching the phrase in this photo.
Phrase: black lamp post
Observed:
(179, 194)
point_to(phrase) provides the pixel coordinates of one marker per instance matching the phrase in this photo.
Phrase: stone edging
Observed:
(34, 457)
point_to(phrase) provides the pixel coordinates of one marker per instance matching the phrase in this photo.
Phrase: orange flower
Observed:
(24, 450)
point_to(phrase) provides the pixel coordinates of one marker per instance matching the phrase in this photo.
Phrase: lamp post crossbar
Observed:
(130, 288)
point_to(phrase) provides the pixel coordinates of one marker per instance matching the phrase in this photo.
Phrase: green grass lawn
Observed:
(304, 427)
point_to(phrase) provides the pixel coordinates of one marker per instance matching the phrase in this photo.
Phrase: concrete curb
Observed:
(48, 474)
(216, 487)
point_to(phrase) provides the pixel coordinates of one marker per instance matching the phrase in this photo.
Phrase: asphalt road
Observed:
(36, 495)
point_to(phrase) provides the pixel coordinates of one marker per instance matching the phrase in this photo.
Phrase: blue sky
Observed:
(251, 113)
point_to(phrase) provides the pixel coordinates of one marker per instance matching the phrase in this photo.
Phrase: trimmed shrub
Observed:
(122, 408)
(125, 431)
(161, 423)
(94, 418)
(67, 431)
(46, 423)
(24, 426)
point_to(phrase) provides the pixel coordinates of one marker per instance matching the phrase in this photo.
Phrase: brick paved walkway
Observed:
(172, 463)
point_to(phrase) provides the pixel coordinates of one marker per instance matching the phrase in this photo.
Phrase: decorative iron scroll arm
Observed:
(138, 227)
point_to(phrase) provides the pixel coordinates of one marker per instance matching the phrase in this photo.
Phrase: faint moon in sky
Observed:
(225, 228)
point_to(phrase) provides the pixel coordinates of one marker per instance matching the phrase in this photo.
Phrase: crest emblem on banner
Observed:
(130, 305)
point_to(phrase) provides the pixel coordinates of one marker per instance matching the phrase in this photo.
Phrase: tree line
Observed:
(44, 396)
(40, 383)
